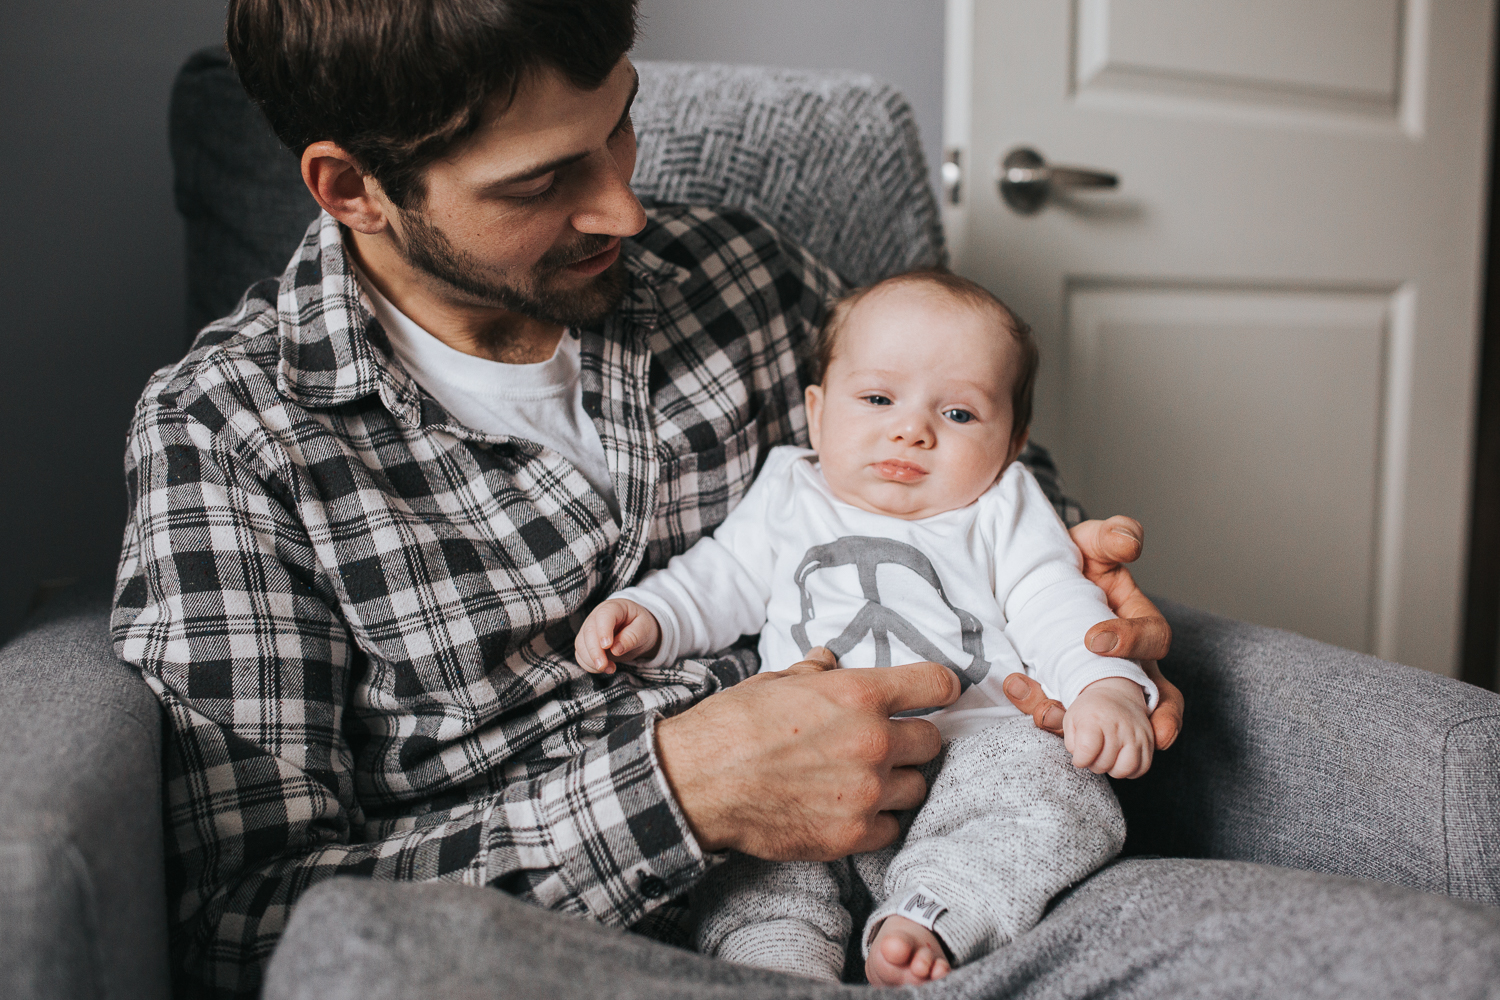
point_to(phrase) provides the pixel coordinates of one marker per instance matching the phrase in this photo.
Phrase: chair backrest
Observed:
(831, 159)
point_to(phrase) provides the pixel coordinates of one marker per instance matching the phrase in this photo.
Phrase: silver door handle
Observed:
(1026, 180)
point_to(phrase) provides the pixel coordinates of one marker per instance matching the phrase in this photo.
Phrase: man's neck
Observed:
(481, 331)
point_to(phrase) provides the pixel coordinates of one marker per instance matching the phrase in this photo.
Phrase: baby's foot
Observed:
(904, 953)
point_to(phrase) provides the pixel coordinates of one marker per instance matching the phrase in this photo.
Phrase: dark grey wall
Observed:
(91, 272)
(899, 41)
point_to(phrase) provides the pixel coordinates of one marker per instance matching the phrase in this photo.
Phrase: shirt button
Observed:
(653, 887)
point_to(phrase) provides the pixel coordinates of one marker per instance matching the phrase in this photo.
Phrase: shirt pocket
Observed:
(698, 489)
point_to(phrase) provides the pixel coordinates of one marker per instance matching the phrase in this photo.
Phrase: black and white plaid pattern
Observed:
(359, 614)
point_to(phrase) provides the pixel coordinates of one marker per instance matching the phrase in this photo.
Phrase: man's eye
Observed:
(536, 191)
(877, 400)
(959, 416)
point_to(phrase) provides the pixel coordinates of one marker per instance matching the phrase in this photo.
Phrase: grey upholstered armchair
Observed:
(1294, 753)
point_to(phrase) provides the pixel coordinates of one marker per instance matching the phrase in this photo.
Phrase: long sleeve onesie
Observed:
(989, 589)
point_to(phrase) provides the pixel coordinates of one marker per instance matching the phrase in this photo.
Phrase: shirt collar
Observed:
(333, 350)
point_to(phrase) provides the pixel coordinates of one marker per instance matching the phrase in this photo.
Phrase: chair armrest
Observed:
(1301, 754)
(82, 891)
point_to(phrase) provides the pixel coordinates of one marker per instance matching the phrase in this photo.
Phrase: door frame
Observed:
(1480, 657)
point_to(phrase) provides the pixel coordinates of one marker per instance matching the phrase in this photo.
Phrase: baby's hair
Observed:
(964, 291)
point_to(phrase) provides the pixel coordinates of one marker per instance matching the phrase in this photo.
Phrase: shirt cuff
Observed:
(669, 650)
(608, 826)
(1105, 666)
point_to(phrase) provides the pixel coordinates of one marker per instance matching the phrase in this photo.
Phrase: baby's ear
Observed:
(814, 399)
(1018, 444)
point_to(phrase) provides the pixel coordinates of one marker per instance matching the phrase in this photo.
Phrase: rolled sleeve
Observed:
(608, 826)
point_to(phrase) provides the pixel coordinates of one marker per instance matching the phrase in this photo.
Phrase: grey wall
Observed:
(899, 41)
(91, 272)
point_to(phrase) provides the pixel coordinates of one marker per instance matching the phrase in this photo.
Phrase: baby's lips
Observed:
(900, 472)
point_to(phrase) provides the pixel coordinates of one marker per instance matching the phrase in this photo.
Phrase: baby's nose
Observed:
(913, 431)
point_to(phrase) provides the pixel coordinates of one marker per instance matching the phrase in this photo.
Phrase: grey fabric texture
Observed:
(831, 159)
(785, 944)
(1138, 929)
(48, 915)
(82, 896)
(238, 189)
(791, 916)
(1471, 806)
(1305, 755)
(1007, 825)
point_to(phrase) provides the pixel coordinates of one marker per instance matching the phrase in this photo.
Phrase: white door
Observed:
(1263, 344)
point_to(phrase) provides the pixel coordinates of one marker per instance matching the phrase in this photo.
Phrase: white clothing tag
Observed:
(922, 906)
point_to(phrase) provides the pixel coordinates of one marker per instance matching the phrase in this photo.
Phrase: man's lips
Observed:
(596, 264)
(898, 471)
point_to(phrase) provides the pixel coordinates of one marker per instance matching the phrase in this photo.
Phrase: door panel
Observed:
(1339, 63)
(1227, 386)
(1329, 53)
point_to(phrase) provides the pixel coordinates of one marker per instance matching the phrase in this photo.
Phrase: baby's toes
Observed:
(887, 964)
(896, 950)
(928, 964)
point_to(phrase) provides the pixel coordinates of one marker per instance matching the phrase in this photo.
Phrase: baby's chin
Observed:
(901, 501)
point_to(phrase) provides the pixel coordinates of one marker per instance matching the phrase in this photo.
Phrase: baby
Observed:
(910, 533)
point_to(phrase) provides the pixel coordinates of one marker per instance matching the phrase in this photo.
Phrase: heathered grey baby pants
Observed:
(1008, 824)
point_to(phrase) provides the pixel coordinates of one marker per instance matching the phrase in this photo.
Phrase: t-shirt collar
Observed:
(333, 350)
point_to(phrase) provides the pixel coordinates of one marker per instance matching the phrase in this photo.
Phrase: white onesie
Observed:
(988, 589)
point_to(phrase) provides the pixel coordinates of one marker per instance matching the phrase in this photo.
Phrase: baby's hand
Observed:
(1107, 730)
(616, 630)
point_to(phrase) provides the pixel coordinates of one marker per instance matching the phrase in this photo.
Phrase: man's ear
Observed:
(342, 189)
(814, 398)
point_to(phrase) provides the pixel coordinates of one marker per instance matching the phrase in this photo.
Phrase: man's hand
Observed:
(805, 764)
(1140, 633)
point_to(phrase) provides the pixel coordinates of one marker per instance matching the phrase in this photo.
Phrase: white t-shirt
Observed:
(540, 402)
(989, 589)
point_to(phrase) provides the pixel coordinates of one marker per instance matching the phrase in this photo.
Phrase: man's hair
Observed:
(966, 293)
(396, 82)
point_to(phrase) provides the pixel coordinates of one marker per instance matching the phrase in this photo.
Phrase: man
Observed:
(371, 506)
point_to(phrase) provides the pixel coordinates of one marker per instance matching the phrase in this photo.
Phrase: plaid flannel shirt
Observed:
(359, 614)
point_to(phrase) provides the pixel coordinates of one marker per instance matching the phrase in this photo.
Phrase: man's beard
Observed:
(428, 249)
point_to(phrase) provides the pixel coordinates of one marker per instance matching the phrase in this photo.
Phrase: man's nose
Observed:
(610, 207)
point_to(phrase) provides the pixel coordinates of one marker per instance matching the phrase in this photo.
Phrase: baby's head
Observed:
(925, 395)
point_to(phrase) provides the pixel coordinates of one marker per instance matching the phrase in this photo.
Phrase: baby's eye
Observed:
(959, 416)
(875, 399)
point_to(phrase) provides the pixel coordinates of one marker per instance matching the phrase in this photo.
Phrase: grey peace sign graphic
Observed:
(866, 554)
